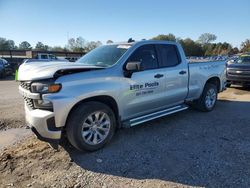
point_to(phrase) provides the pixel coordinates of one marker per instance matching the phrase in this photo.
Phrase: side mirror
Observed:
(132, 67)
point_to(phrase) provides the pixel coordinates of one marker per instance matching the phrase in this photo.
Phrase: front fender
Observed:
(72, 94)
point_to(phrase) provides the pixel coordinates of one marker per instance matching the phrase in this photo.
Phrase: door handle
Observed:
(158, 75)
(182, 72)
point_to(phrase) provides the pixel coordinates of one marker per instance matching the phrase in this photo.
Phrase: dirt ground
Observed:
(186, 149)
(11, 105)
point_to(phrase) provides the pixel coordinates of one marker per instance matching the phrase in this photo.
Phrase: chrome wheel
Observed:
(210, 98)
(96, 128)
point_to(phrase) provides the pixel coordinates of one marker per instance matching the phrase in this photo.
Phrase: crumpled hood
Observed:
(45, 70)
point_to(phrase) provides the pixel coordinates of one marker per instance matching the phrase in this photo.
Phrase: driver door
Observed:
(145, 89)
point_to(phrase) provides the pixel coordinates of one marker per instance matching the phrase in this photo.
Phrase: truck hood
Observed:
(45, 70)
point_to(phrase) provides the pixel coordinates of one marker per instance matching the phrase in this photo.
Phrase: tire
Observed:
(84, 126)
(2, 74)
(203, 104)
(228, 85)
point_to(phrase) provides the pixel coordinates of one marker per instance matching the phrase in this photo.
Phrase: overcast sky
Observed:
(54, 21)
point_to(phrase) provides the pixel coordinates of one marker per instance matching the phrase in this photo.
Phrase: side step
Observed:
(148, 117)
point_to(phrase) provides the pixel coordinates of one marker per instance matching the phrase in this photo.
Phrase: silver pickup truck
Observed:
(113, 86)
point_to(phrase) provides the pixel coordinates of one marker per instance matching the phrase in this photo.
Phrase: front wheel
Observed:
(208, 98)
(90, 126)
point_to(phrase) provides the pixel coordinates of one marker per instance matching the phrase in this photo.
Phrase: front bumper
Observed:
(239, 79)
(42, 124)
(237, 75)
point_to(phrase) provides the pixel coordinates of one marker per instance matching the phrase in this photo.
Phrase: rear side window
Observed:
(44, 57)
(145, 54)
(52, 57)
(168, 54)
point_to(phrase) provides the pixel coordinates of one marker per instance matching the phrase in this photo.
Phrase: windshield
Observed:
(244, 60)
(104, 56)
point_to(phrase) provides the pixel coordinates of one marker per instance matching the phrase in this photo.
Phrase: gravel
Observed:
(188, 149)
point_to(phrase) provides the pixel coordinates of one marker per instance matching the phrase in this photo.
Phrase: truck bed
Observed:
(200, 71)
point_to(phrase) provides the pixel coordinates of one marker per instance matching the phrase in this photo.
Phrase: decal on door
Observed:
(143, 89)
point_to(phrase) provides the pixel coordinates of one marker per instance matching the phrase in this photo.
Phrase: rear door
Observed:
(175, 73)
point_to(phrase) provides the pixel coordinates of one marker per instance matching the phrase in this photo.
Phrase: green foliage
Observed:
(25, 46)
(41, 46)
(202, 47)
(80, 45)
(169, 37)
(76, 45)
(234, 51)
(245, 46)
(92, 45)
(218, 49)
(191, 48)
(207, 38)
(7, 44)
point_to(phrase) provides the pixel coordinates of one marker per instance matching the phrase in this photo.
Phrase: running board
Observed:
(148, 117)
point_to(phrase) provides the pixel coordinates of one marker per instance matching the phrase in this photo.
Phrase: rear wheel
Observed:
(208, 98)
(90, 126)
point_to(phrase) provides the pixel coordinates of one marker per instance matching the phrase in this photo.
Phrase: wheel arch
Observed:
(216, 81)
(105, 99)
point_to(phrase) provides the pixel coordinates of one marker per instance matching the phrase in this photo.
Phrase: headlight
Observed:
(45, 88)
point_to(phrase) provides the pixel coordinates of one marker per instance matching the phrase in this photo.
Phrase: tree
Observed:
(235, 50)
(109, 42)
(7, 44)
(169, 37)
(217, 49)
(80, 45)
(245, 46)
(3, 44)
(191, 48)
(41, 46)
(11, 44)
(25, 46)
(92, 45)
(76, 45)
(207, 38)
(225, 48)
(208, 49)
(71, 44)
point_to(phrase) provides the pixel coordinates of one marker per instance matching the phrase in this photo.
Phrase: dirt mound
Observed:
(12, 123)
(33, 163)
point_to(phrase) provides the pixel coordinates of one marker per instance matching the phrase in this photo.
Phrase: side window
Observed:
(52, 57)
(146, 55)
(169, 55)
(44, 57)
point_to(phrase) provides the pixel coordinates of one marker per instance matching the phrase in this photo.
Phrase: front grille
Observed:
(25, 85)
(238, 71)
(29, 102)
(239, 74)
